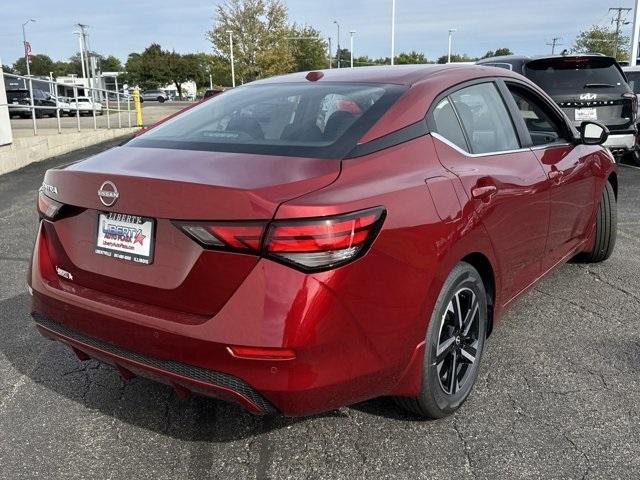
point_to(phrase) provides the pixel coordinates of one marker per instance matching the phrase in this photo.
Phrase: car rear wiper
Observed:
(599, 85)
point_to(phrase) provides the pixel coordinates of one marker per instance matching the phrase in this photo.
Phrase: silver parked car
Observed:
(154, 96)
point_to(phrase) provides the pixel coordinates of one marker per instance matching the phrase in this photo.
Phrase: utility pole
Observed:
(619, 19)
(83, 47)
(393, 31)
(351, 32)
(338, 41)
(233, 68)
(330, 53)
(635, 34)
(553, 44)
(451, 31)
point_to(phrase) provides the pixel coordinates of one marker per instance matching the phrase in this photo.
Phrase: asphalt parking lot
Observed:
(557, 395)
(151, 111)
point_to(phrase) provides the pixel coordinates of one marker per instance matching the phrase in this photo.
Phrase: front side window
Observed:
(485, 119)
(296, 119)
(543, 127)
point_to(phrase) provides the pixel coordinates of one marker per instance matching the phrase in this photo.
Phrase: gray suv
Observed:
(154, 96)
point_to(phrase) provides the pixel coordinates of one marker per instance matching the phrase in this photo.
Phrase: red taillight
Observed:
(634, 102)
(322, 243)
(48, 207)
(244, 236)
(312, 244)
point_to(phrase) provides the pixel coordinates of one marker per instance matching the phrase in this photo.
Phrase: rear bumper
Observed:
(182, 377)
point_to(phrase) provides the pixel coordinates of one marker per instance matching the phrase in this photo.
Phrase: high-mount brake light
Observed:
(48, 207)
(312, 244)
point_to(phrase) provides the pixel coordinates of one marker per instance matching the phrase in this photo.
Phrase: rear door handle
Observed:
(481, 193)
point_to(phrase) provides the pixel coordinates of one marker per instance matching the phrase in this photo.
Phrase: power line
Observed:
(619, 19)
(554, 43)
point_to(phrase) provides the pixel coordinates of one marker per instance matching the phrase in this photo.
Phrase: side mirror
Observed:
(593, 133)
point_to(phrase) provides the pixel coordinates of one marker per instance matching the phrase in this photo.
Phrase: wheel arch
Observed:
(613, 180)
(483, 265)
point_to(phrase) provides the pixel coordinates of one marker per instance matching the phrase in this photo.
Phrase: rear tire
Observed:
(606, 228)
(453, 347)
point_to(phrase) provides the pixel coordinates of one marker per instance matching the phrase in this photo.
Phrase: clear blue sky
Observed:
(118, 28)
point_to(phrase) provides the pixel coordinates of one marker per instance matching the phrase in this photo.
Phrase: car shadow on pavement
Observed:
(139, 402)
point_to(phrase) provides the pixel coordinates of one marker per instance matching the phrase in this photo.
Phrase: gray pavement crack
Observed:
(601, 279)
(581, 452)
(465, 447)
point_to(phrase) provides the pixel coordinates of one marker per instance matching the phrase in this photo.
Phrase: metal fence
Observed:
(101, 102)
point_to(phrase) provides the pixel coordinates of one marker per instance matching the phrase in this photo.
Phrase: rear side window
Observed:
(485, 119)
(559, 76)
(447, 124)
(297, 119)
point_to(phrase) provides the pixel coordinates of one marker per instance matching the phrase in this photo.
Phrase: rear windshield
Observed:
(322, 120)
(559, 76)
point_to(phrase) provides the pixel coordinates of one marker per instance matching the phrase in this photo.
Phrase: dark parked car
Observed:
(359, 241)
(19, 103)
(212, 93)
(586, 87)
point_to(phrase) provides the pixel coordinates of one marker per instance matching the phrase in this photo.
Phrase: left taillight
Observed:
(311, 245)
(48, 207)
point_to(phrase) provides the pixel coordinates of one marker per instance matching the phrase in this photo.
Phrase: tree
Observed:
(260, 37)
(499, 52)
(148, 69)
(307, 47)
(600, 39)
(40, 65)
(411, 58)
(456, 57)
(110, 64)
(203, 64)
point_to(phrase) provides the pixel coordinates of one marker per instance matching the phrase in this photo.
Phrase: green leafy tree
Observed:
(260, 37)
(499, 52)
(411, 58)
(148, 69)
(455, 57)
(601, 39)
(110, 64)
(40, 65)
(307, 47)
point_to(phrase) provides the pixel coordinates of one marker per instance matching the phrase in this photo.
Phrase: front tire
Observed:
(453, 347)
(633, 157)
(606, 228)
(161, 99)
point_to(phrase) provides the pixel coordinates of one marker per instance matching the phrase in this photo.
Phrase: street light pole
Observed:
(393, 30)
(330, 53)
(351, 32)
(233, 72)
(451, 30)
(26, 60)
(338, 42)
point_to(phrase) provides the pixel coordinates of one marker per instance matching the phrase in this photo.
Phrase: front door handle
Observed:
(481, 193)
(555, 175)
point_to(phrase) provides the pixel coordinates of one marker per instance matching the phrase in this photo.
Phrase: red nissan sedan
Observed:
(314, 240)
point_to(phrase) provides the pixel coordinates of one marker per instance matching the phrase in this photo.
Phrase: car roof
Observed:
(386, 74)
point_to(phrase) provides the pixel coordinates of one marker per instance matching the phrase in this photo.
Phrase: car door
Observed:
(568, 169)
(476, 140)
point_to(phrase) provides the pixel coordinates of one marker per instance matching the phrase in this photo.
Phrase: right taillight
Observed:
(312, 244)
(322, 243)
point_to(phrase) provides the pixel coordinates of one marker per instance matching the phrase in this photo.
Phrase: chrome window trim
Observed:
(476, 155)
(551, 145)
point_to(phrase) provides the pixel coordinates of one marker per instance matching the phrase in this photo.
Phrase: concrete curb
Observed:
(26, 150)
